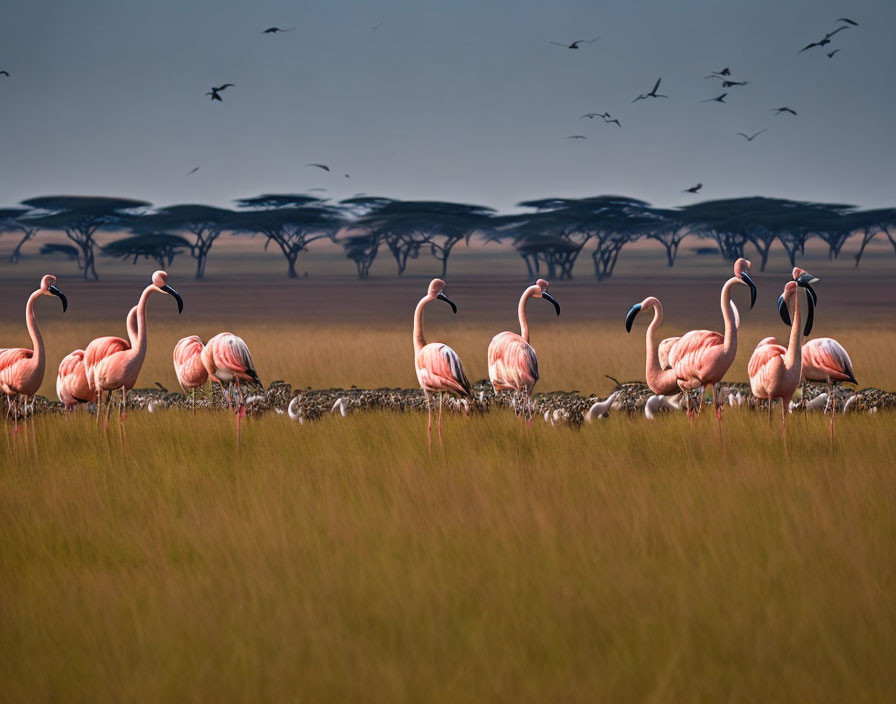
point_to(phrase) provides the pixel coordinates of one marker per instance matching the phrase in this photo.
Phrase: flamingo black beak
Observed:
(810, 316)
(805, 280)
(782, 310)
(746, 278)
(443, 297)
(548, 297)
(56, 292)
(631, 315)
(180, 301)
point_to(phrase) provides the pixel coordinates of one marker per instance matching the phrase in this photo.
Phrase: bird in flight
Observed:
(693, 189)
(821, 42)
(848, 21)
(577, 136)
(274, 30)
(778, 111)
(652, 93)
(750, 138)
(831, 55)
(214, 92)
(4, 73)
(319, 166)
(719, 99)
(718, 74)
(575, 44)
(592, 115)
(729, 84)
(193, 170)
(615, 119)
(839, 29)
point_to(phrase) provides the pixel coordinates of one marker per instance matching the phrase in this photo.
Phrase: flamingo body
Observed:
(768, 371)
(825, 359)
(191, 372)
(439, 369)
(226, 359)
(512, 363)
(71, 381)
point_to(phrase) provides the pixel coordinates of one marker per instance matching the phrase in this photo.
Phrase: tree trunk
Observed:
(17, 252)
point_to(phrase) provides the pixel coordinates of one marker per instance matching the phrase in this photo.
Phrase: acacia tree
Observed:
(872, 222)
(12, 220)
(292, 222)
(204, 223)
(160, 247)
(80, 217)
(668, 228)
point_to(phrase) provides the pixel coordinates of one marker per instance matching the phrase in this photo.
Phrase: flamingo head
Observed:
(541, 291)
(649, 302)
(48, 288)
(436, 287)
(805, 279)
(160, 281)
(741, 267)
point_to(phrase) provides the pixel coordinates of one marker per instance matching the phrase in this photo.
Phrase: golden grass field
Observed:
(341, 561)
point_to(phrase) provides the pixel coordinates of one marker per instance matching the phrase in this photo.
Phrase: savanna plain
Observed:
(341, 560)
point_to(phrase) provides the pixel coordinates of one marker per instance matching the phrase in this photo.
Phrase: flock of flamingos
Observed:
(699, 359)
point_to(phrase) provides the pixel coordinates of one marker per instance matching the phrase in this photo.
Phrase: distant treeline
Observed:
(549, 236)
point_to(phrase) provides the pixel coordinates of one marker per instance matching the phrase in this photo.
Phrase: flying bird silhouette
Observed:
(821, 42)
(320, 166)
(615, 119)
(752, 137)
(592, 115)
(193, 170)
(4, 73)
(577, 136)
(831, 55)
(717, 74)
(778, 111)
(729, 84)
(839, 29)
(215, 92)
(652, 93)
(274, 30)
(719, 99)
(575, 44)
(693, 189)
(848, 21)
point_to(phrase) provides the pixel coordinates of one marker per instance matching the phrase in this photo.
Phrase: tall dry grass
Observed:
(338, 561)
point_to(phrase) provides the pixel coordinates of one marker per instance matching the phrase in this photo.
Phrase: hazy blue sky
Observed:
(461, 100)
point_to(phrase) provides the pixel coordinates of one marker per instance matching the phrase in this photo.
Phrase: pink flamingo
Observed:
(661, 378)
(21, 369)
(191, 372)
(702, 357)
(227, 360)
(72, 386)
(826, 360)
(773, 369)
(439, 369)
(512, 363)
(112, 363)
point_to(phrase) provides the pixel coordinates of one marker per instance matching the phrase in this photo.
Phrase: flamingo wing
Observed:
(825, 357)
(765, 367)
(230, 352)
(188, 366)
(71, 380)
(512, 363)
(690, 355)
(13, 368)
(103, 347)
(439, 369)
(665, 352)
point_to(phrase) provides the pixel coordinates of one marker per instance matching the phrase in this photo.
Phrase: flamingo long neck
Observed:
(794, 356)
(419, 340)
(521, 311)
(653, 352)
(37, 340)
(139, 349)
(132, 326)
(730, 324)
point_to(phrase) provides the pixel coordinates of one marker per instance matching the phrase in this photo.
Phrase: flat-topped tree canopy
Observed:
(280, 200)
(10, 216)
(161, 247)
(80, 217)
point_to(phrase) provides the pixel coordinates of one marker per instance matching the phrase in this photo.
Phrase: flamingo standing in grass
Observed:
(702, 357)
(72, 386)
(512, 363)
(439, 369)
(773, 369)
(826, 360)
(661, 378)
(227, 360)
(112, 363)
(191, 372)
(22, 369)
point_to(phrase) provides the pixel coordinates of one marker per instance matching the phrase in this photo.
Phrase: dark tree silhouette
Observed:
(872, 222)
(68, 251)
(668, 228)
(80, 217)
(13, 220)
(361, 248)
(292, 222)
(160, 247)
(204, 222)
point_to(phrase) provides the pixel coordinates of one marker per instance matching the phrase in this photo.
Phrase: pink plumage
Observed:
(71, 381)
(766, 365)
(226, 358)
(188, 366)
(439, 369)
(825, 359)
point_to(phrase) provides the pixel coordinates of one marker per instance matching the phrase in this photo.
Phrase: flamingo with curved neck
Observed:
(661, 378)
(512, 362)
(439, 369)
(775, 370)
(112, 363)
(702, 357)
(22, 369)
